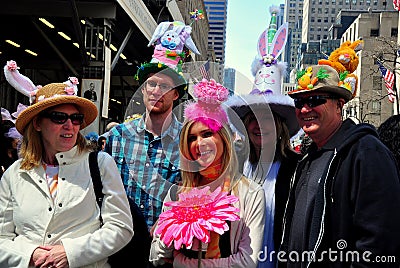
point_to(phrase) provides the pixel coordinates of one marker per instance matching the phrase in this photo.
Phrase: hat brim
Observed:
(335, 90)
(86, 107)
(149, 68)
(281, 105)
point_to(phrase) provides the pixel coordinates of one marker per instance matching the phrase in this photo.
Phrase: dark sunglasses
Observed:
(312, 101)
(61, 118)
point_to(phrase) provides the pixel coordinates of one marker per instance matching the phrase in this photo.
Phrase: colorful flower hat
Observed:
(169, 39)
(323, 78)
(268, 72)
(207, 109)
(334, 75)
(42, 98)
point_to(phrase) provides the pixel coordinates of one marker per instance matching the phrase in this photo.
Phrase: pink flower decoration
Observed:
(196, 214)
(12, 65)
(210, 92)
(69, 90)
(73, 80)
(33, 93)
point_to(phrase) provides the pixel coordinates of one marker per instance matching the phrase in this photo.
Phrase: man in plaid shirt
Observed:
(146, 149)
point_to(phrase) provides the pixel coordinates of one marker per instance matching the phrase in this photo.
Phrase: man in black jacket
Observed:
(344, 206)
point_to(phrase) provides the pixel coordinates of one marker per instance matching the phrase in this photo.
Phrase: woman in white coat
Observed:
(49, 216)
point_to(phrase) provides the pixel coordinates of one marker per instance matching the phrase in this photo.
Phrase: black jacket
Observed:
(282, 187)
(357, 202)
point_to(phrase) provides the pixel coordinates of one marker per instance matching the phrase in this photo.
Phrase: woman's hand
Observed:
(55, 257)
(39, 256)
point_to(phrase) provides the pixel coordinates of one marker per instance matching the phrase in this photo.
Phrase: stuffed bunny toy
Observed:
(169, 39)
(267, 71)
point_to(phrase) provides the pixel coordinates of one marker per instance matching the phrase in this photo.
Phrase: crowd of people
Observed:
(334, 203)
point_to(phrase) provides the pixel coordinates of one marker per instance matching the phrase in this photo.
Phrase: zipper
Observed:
(321, 230)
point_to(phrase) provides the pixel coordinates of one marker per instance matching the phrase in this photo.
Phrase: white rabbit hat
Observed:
(169, 39)
(271, 43)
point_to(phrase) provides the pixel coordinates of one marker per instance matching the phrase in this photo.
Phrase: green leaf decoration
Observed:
(300, 74)
(322, 74)
(343, 75)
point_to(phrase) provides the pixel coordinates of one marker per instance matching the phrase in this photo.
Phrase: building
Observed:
(319, 15)
(321, 21)
(229, 80)
(371, 103)
(217, 17)
(293, 14)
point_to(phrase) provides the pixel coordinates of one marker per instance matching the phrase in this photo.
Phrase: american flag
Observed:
(204, 70)
(388, 77)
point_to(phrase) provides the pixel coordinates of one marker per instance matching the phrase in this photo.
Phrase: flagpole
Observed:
(394, 87)
(397, 93)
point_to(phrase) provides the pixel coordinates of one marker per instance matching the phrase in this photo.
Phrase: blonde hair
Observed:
(32, 148)
(190, 169)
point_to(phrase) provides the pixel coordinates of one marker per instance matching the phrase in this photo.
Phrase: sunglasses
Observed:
(312, 101)
(61, 118)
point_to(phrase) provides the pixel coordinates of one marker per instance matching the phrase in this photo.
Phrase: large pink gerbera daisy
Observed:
(195, 214)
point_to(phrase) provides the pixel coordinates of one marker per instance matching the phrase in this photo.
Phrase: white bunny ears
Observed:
(24, 85)
(271, 44)
(179, 28)
(20, 82)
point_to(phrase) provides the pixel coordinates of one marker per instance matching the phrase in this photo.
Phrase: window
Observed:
(377, 82)
(376, 107)
(374, 33)
(394, 32)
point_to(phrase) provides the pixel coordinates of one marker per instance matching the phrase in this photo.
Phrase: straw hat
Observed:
(50, 95)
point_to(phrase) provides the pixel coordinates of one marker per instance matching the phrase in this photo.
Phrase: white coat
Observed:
(29, 217)
(246, 234)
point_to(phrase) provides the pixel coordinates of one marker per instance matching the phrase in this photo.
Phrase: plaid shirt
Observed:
(148, 165)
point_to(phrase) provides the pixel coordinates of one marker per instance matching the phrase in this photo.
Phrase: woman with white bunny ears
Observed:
(267, 120)
(49, 216)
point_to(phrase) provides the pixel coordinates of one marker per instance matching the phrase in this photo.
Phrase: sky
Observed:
(247, 19)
